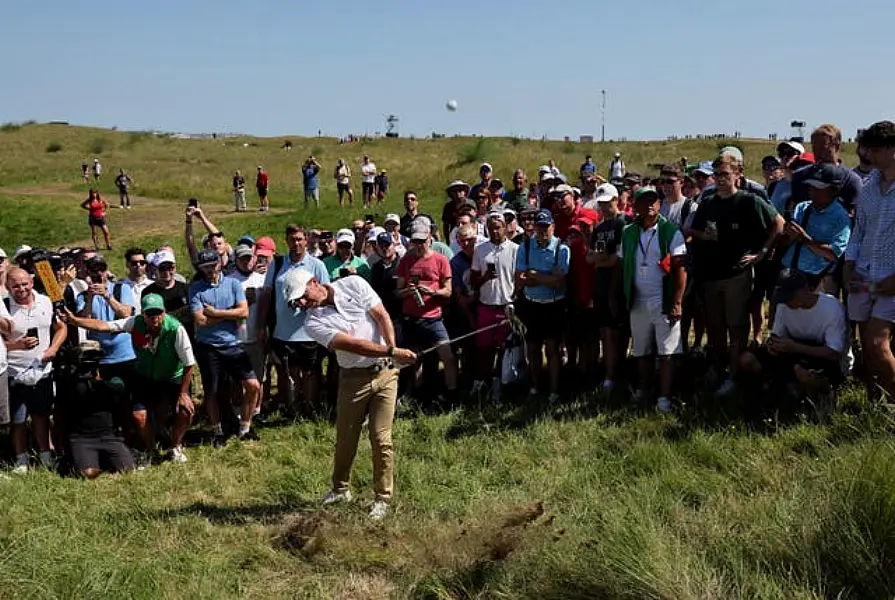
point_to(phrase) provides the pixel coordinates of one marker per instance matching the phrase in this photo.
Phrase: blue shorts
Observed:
(422, 334)
(27, 400)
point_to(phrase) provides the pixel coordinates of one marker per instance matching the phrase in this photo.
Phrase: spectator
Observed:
(611, 313)
(310, 181)
(869, 270)
(174, 293)
(97, 209)
(486, 172)
(745, 184)
(85, 173)
(588, 169)
(703, 177)
(252, 283)
(461, 318)
(733, 230)
(807, 344)
(381, 186)
(342, 175)
(213, 240)
(582, 333)
(219, 304)
(89, 407)
(864, 167)
(123, 183)
(291, 344)
(411, 211)
(675, 207)
(344, 262)
(819, 230)
(542, 264)
(651, 258)
(97, 170)
(36, 337)
(392, 225)
(383, 277)
(772, 170)
(567, 209)
(135, 259)
(617, 167)
(164, 369)
(368, 179)
(594, 199)
(457, 192)
(424, 282)
(262, 184)
(239, 192)
(326, 244)
(826, 143)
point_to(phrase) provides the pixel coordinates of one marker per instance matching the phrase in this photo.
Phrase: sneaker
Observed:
(334, 497)
(727, 388)
(664, 405)
(477, 386)
(249, 436)
(142, 460)
(128, 207)
(48, 461)
(379, 510)
(219, 441)
(177, 455)
(20, 469)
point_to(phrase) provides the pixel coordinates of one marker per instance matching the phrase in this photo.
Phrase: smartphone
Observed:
(415, 279)
(344, 272)
(492, 268)
(193, 202)
(601, 246)
(31, 332)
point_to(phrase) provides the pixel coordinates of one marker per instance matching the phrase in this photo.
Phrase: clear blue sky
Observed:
(515, 67)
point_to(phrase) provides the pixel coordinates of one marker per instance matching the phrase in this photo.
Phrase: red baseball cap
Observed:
(265, 246)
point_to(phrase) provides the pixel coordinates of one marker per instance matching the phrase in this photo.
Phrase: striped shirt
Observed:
(872, 245)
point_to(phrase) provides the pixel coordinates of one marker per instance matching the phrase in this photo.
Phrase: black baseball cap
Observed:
(825, 175)
(789, 283)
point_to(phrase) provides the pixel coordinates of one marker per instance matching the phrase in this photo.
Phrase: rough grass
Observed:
(581, 501)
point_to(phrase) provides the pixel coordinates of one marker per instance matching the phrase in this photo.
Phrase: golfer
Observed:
(348, 317)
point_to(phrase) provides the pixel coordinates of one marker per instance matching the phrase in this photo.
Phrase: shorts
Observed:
(96, 221)
(422, 334)
(727, 301)
(125, 371)
(581, 325)
(305, 356)
(262, 191)
(148, 394)
(312, 195)
(214, 362)
(764, 280)
(258, 358)
(862, 307)
(27, 400)
(544, 321)
(780, 368)
(651, 331)
(107, 452)
(4, 398)
(343, 187)
(604, 317)
(487, 316)
(367, 188)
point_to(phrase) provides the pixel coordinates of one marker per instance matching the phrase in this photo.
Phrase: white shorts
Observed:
(651, 331)
(862, 307)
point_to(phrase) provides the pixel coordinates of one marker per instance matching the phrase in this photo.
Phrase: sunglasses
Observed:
(670, 180)
(418, 242)
(141, 263)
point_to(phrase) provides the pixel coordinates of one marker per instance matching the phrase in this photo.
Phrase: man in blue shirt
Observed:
(220, 309)
(309, 173)
(819, 230)
(106, 300)
(293, 346)
(542, 264)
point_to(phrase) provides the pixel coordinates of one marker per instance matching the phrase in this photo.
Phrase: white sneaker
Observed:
(379, 510)
(664, 405)
(477, 386)
(333, 497)
(20, 470)
(177, 455)
(727, 388)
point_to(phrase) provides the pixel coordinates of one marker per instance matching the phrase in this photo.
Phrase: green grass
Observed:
(581, 501)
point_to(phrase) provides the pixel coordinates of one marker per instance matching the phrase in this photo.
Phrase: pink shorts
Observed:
(485, 317)
(862, 307)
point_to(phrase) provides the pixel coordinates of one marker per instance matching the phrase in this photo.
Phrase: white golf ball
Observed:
(451, 105)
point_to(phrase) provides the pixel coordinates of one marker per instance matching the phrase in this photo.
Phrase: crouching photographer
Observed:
(87, 407)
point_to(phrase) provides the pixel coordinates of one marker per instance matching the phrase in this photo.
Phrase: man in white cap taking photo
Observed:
(348, 318)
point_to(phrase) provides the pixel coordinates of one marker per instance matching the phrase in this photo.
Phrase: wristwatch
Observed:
(390, 352)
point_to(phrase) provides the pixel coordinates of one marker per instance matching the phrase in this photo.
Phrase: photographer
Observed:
(344, 262)
(88, 407)
(311, 182)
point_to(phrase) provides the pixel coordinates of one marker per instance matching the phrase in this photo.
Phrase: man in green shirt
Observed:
(517, 198)
(344, 262)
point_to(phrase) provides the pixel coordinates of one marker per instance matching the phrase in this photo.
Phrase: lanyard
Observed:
(645, 251)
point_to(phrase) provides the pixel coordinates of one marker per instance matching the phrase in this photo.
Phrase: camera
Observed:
(343, 272)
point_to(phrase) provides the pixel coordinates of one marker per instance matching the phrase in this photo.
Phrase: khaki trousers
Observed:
(363, 392)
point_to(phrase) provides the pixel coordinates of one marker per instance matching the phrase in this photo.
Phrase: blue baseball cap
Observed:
(247, 240)
(705, 168)
(544, 217)
(384, 239)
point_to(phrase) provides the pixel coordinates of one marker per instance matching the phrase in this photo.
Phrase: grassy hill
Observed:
(580, 500)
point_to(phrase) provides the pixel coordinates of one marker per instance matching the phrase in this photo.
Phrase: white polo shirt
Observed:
(648, 275)
(137, 288)
(497, 291)
(368, 171)
(4, 314)
(39, 315)
(353, 300)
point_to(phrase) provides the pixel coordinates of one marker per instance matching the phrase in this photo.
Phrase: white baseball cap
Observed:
(393, 218)
(344, 235)
(606, 192)
(791, 144)
(2, 253)
(23, 249)
(375, 231)
(296, 283)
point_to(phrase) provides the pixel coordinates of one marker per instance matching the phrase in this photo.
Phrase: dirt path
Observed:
(149, 216)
